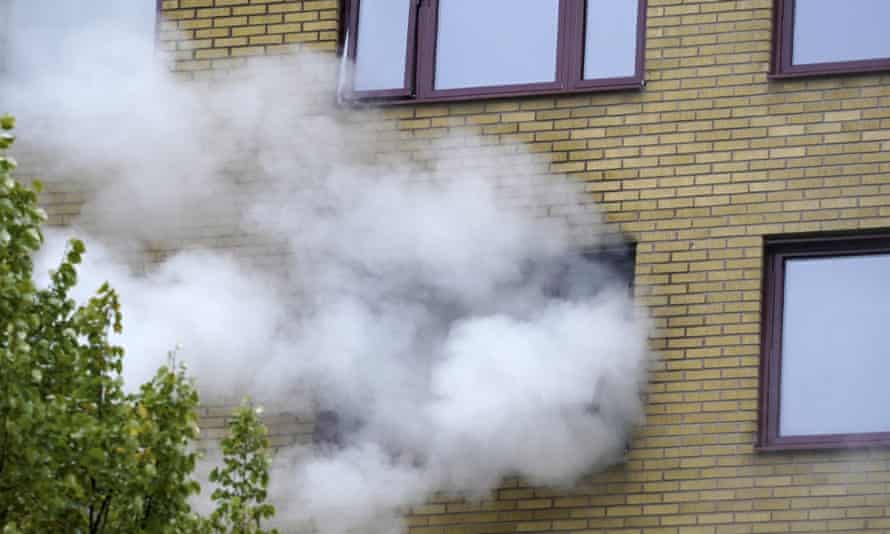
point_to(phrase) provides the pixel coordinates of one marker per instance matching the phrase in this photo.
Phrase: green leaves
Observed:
(6, 140)
(244, 477)
(77, 453)
(28, 408)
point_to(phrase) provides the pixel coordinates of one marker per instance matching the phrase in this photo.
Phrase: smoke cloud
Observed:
(428, 296)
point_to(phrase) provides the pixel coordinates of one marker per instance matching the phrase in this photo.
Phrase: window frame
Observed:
(783, 49)
(776, 251)
(420, 68)
(351, 45)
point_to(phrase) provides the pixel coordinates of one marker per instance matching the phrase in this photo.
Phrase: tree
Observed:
(244, 476)
(77, 453)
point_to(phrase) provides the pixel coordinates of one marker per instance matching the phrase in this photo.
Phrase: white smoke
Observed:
(417, 292)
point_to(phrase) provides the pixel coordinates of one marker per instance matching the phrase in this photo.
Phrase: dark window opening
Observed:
(333, 429)
(582, 274)
(825, 354)
(432, 50)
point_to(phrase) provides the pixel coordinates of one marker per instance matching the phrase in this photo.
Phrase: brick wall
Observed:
(697, 168)
(209, 36)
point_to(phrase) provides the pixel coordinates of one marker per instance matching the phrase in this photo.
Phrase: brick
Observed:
(698, 166)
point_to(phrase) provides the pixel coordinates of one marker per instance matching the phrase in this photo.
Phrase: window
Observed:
(457, 49)
(40, 36)
(578, 274)
(586, 273)
(826, 351)
(827, 36)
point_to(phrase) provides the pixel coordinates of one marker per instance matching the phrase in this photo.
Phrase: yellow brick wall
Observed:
(208, 36)
(697, 168)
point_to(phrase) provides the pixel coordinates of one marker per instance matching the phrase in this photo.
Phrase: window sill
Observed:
(829, 69)
(833, 442)
(636, 85)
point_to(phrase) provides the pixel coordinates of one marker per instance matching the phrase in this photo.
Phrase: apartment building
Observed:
(742, 145)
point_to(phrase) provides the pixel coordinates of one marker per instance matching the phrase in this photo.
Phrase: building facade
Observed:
(732, 148)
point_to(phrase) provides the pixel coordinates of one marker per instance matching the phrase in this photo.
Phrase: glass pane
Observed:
(610, 39)
(496, 42)
(835, 346)
(382, 44)
(45, 36)
(829, 30)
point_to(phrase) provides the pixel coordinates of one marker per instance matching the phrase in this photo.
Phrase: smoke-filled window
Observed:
(579, 276)
(40, 37)
(590, 271)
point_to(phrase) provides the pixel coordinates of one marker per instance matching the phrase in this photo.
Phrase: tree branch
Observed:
(103, 513)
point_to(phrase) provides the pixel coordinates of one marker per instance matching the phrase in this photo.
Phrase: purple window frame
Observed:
(783, 49)
(420, 60)
(407, 88)
(777, 251)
